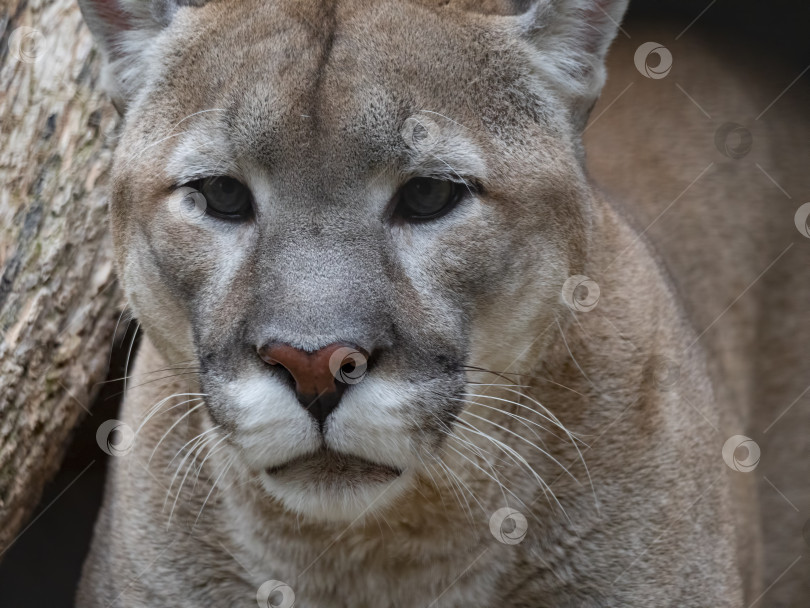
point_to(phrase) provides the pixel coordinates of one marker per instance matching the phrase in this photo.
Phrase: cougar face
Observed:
(336, 230)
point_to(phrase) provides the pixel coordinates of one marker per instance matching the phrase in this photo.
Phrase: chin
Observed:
(330, 486)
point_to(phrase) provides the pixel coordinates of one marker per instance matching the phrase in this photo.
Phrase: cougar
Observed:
(403, 346)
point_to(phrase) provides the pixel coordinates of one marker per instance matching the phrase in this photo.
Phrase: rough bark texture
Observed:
(58, 296)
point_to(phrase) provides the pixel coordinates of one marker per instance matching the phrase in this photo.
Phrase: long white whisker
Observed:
(573, 438)
(524, 421)
(225, 469)
(573, 358)
(153, 411)
(129, 355)
(171, 428)
(517, 458)
(197, 448)
(523, 439)
(211, 451)
(444, 468)
(497, 481)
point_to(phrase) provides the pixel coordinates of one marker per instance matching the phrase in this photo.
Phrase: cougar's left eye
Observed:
(424, 198)
(225, 197)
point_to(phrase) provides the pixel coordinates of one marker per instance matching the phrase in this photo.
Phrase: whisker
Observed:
(192, 373)
(524, 421)
(155, 408)
(571, 436)
(225, 469)
(114, 336)
(211, 451)
(517, 458)
(171, 428)
(523, 439)
(157, 371)
(573, 358)
(521, 374)
(129, 354)
(497, 481)
(196, 449)
(444, 468)
(469, 445)
(137, 155)
(553, 420)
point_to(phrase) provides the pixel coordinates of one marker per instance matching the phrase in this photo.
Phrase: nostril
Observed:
(320, 377)
(284, 375)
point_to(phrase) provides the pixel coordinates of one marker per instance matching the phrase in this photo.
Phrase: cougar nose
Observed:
(320, 376)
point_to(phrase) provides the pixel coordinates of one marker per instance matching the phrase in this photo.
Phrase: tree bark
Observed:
(58, 296)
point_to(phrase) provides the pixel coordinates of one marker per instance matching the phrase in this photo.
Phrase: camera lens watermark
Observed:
(115, 438)
(508, 526)
(657, 67)
(348, 365)
(733, 140)
(580, 293)
(26, 45)
(802, 220)
(188, 205)
(275, 594)
(741, 453)
(664, 372)
(420, 133)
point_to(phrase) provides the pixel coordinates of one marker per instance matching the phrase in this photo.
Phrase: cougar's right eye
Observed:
(225, 197)
(425, 198)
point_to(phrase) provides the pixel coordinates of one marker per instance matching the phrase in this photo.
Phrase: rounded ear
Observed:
(124, 30)
(571, 38)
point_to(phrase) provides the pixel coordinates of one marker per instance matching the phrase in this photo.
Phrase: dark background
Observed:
(42, 567)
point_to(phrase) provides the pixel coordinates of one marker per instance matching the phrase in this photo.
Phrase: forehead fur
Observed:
(338, 78)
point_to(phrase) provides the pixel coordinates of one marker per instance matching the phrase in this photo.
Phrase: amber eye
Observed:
(424, 198)
(225, 197)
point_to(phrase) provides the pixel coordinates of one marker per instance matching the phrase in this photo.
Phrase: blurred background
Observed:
(42, 566)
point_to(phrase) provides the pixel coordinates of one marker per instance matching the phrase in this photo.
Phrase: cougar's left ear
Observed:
(125, 31)
(572, 38)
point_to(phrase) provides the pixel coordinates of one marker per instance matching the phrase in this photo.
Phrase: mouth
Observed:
(327, 466)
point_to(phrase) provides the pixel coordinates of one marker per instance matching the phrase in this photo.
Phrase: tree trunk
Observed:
(58, 296)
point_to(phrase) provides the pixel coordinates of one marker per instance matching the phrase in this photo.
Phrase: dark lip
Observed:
(329, 463)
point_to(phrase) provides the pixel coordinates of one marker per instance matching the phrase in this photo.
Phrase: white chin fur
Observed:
(339, 501)
(349, 472)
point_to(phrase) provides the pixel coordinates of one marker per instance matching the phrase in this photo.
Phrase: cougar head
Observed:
(339, 208)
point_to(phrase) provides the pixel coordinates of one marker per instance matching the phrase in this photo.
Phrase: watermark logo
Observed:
(580, 293)
(733, 140)
(420, 133)
(653, 60)
(115, 438)
(348, 365)
(508, 526)
(188, 205)
(275, 594)
(26, 45)
(664, 372)
(802, 220)
(741, 453)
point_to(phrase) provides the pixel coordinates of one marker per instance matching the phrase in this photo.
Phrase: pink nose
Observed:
(321, 376)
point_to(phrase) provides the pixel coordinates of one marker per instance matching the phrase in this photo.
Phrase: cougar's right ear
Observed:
(125, 30)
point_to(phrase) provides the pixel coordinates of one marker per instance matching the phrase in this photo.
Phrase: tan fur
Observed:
(640, 509)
